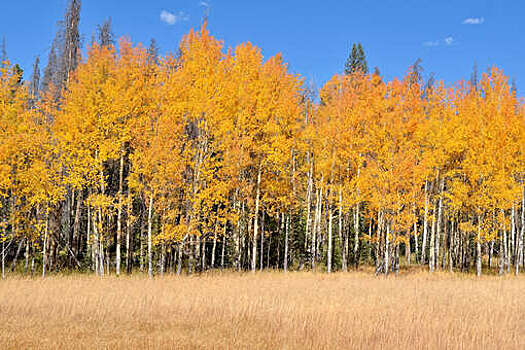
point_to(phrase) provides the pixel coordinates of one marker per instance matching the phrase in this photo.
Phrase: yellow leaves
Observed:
(101, 201)
(172, 233)
(196, 129)
(467, 227)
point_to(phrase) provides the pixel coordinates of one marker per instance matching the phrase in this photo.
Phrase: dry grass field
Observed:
(265, 310)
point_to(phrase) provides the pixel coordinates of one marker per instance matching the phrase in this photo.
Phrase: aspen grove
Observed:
(215, 158)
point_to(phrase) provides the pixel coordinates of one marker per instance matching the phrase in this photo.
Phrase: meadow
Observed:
(265, 310)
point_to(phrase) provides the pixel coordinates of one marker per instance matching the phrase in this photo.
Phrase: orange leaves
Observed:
(195, 130)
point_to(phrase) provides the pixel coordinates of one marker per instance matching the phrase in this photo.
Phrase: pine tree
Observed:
(153, 51)
(3, 52)
(356, 61)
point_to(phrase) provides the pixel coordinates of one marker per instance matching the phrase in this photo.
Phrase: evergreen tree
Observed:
(153, 51)
(3, 52)
(357, 60)
(19, 73)
(363, 66)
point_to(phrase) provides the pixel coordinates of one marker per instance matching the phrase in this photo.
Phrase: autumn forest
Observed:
(119, 160)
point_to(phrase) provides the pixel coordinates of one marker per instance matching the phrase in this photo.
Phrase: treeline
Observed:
(211, 158)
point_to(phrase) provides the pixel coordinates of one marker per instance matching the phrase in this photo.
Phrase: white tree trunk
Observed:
(150, 251)
(287, 226)
(519, 240)
(261, 254)
(340, 229)
(119, 214)
(478, 249)
(425, 227)
(256, 220)
(44, 255)
(329, 254)
(432, 248)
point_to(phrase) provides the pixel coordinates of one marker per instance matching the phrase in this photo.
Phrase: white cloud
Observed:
(448, 41)
(474, 20)
(204, 4)
(172, 18)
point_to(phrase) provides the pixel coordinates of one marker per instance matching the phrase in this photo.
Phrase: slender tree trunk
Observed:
(32, 260)
(329, 254)
(261, 253)
(452, 244)
(268, 253)
(416, 250)
(313, 250)
(438, 223)
(128, 235)
(76, 225)
(432, 249)
(287, 226)
(356, 236)
(141, 247)
(100, 244)
(213, 250)
(223, 244)
(191, 255)
(17, 254)
(162, 259)
(236, 239)
(425, 227)
(91, 240)
(308, 209)
(396, 260)
(519, 240)
(387, 248)
(356, 226)
(44, 253)
(4, 237)
(340, 229)
(256, 219)
(203, 254)
(512, 236)
(478, 249)
(26, 257)
(119, 212)
(408, 254)
(180, 250)
(503, 248)
(150, 251)
(491, 251)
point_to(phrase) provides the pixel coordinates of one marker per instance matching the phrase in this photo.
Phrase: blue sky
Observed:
(313, 36)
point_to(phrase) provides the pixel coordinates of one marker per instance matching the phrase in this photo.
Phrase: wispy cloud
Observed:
(448, 41)
(431, 43)
(474, 20)
(204, 4)
(172, 18)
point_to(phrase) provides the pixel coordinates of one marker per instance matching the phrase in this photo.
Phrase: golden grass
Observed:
(264, 310)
